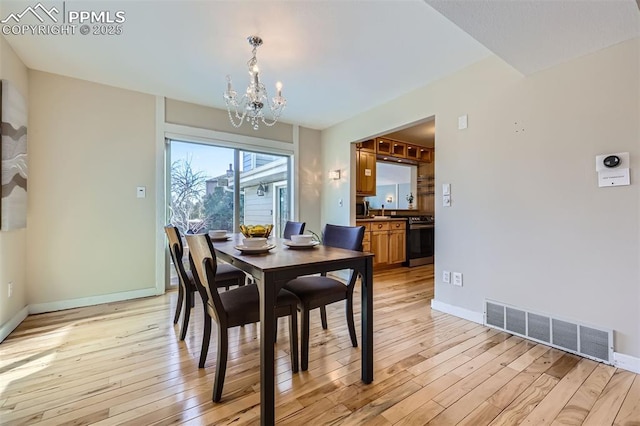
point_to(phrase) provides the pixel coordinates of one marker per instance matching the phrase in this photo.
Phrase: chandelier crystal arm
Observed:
(250, 106)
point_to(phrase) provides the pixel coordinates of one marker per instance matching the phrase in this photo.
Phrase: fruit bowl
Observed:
(250, 231)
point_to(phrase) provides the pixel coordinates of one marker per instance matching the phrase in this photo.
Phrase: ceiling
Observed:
(336, 59)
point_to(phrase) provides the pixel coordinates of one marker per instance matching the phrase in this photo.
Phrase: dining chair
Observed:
(319, 291)
(232, 308)
(227, 275)
(293, 228)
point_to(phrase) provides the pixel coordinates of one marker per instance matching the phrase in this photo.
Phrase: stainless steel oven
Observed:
(420, 239)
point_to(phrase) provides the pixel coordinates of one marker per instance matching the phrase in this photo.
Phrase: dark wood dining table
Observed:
(271, 270)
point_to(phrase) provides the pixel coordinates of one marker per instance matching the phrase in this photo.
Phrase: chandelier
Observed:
(250, 106)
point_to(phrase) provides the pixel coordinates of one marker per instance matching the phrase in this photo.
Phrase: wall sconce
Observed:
(389, 199)
(334, 174)
(262, 189)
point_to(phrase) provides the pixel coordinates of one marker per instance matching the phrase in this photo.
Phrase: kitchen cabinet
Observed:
(397, 243)
(366, 241)
(365, 172)
(393, 150)
(387, 240)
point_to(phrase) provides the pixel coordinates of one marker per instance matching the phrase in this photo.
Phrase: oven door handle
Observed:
(411, 227)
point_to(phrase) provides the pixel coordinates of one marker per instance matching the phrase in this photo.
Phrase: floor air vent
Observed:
(572, 337)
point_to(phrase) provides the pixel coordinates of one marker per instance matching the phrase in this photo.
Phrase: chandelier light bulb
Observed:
(279, 89)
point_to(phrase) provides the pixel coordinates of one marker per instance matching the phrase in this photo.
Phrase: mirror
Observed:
(394, 183)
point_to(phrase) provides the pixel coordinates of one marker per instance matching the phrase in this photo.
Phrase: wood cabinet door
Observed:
(397, 246)
(366, 177)
(358, 173)
(380, 247)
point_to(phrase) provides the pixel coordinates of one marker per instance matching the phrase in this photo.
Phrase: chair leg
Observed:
(206, 337)
(179, 303)
(350, 323)
(293, 339)
(221, 366)
(323, 317)
(305, 338)
(188, 304)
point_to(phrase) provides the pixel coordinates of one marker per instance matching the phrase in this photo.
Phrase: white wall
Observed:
(13, 243)
(528, 225)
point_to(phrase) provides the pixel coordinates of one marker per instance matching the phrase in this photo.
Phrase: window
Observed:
(218, 187)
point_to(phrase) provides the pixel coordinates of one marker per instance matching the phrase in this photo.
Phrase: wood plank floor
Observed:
(122, 363)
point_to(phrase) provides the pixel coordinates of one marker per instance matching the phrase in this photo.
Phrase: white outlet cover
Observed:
(457, 279)
(446, 277)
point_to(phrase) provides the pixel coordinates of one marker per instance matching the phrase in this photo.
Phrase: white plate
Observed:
(225, 238)
(253, 250)
(293, 245)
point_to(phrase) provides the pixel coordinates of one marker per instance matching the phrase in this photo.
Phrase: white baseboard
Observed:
(11, 325)
(626, 362)
(477, 317)
(60, 305)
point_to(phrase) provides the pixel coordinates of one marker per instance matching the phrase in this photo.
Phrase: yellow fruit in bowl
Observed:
(256, 230)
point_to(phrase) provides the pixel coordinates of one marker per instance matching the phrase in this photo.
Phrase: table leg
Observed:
(267, 359)
(367, 321)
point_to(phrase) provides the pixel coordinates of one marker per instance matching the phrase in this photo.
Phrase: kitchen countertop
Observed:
(386, 219)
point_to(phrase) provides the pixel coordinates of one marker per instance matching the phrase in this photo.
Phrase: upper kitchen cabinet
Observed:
(419, 153)
(365, 170)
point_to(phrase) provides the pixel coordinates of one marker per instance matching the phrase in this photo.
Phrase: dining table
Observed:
(273, 268)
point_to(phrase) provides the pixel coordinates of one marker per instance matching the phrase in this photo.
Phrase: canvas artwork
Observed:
(13, 149)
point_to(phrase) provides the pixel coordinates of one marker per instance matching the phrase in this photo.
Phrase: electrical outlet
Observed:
(10, 289)
(457, 279)
(446, 277)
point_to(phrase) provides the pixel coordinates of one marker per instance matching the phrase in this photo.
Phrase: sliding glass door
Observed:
(221, 187)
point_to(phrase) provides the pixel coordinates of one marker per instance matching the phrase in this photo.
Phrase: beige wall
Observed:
(310, 178)
(13, 243)
(204, 117)
(528, 225)
(90, 146)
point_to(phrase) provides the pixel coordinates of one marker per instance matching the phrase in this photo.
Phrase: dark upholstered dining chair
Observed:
(293, 228)
(232, 308)
(319, 291)
(226, 276)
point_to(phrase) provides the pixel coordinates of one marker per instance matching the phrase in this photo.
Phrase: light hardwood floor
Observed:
(122, 363)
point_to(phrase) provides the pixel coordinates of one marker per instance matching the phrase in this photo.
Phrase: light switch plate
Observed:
(446, 189)
(446, 200)
(446, 277)
(141, 192)
(462, 122)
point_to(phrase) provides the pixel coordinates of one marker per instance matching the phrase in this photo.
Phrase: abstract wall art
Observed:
(13, 150)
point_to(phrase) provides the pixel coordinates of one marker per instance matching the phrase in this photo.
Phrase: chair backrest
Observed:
(176, 250)
(293, 228)
(204, 261)
(346, 237)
